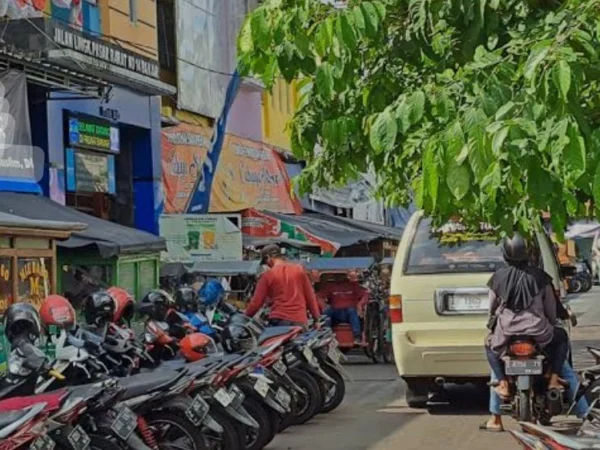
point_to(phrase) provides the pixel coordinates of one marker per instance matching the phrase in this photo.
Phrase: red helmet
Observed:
(197, 346)
(58, 311)
(125, 304)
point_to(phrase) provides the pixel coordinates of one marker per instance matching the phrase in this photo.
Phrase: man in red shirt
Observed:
(288, 287)
(346, 298)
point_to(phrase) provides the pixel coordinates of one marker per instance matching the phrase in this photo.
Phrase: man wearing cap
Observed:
(288, 287)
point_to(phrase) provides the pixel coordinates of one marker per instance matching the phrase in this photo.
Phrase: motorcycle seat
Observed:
(273, 332)
(146, 383)
(52, 401)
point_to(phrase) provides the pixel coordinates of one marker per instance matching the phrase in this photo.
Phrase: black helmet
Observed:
(99, 307)
(515, 249)
(22, 320)
(251, 325)
(155, 304)
(237, 338)
(186, 299)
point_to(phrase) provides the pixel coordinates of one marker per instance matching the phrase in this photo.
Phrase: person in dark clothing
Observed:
(523, 302)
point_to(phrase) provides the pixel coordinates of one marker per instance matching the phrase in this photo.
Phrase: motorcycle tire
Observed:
(525, 407)
(275, 419)
(575, 286)
(101, 443)
(233, 436)
(176, 419)
(586, 284)
(257, 439)
(311, 403)
(335, 394)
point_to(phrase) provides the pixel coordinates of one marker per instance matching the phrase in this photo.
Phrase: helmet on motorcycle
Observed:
(156, 304)
(211, 292)
(125, 305)
(196, 346)
(251, 325)
(99, 307)
(21, 320)
(238, 338)
(186, 299)
(57, 311)
(515, 249)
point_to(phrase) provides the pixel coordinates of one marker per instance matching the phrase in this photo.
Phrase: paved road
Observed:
(374, 415)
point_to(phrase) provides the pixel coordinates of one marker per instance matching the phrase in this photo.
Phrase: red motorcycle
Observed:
(22, 428)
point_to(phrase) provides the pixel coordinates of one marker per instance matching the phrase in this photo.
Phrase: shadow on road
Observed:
(460, 400)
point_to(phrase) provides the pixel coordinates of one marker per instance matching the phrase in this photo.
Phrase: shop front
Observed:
(28, 261)
(102, 145)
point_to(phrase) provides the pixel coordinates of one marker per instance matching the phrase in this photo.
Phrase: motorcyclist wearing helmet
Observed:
(523, 302)
(288, 287)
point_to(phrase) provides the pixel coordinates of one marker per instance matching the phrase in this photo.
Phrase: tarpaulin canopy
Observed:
(258, 242)
(343, 231)
(110, 239)
(582, 230)
(324, 264)
(223, 268)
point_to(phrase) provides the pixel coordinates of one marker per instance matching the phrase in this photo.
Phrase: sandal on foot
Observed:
(485, 426)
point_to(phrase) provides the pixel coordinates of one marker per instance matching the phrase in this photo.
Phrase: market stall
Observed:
(28, 261)
(102, 254)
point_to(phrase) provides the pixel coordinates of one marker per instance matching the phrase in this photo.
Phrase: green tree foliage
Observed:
(487, 109)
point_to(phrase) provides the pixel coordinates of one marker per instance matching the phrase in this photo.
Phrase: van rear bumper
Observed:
(440, 350)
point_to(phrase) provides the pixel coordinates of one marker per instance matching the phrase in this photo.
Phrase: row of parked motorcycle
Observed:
(201, 375)
(581, 436)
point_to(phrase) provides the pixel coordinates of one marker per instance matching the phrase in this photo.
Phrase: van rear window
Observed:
(452, 250)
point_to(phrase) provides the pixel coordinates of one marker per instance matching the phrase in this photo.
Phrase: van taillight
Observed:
(396, 315)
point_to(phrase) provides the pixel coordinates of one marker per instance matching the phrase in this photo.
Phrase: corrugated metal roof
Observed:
(339, 263)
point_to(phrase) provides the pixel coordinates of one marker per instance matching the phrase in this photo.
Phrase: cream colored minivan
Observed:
(439, 303)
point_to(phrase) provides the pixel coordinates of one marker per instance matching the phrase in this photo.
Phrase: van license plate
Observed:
(467, 303)
(524, 367)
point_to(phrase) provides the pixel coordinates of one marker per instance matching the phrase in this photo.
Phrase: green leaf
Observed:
(380, 8)
(505, 110)
(596, 186)
(458, 179)
(464, 153)
(536, 56)
(430, 174)
(359, 18)
(245, 43)
(261, 32)
(324, 81)
(498, 140)
(322, 39)
(561, 76)
(371, 18)
(492, 181)
(574, 153)
(416, 106)
(383, 132)
(345, 32)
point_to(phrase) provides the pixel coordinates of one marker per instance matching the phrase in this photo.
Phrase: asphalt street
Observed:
(374, 415)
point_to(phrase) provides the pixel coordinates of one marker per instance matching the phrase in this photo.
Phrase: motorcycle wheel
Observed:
(232, 437)
(276, 421)
(586, 285)
(100, 443)
(575, 285)
(172, 426)
(335, 394)
(309, 404)
(257, 439)
(524, 407)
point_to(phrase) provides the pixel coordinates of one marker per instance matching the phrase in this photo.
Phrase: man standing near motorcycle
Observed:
(289, 289)
(347, 299)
